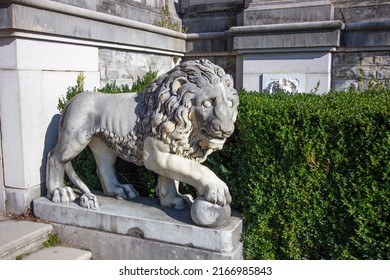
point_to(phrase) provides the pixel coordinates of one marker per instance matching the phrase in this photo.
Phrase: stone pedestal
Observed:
(140, 229)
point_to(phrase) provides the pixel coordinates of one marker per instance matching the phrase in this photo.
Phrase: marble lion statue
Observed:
(170, 128)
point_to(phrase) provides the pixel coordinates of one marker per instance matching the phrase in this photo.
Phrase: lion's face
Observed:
(191, 109)
(214, 113)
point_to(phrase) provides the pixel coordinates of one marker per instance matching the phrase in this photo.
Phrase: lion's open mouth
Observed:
(211, 142)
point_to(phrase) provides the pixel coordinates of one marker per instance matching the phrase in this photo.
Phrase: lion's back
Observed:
(111, 117)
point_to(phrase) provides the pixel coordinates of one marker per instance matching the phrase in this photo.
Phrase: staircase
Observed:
(27, 240)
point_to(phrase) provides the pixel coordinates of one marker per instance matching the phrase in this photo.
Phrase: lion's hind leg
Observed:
(69, 145)
(105, 162)
(56, 191)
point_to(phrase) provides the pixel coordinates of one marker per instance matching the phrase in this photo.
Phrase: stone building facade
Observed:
(45, 44)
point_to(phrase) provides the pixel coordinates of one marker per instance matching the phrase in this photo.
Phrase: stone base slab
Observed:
(142, 221)
(111, 246)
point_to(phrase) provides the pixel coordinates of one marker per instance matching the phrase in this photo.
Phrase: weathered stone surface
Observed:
(358, 68)
(383, 73)
(19, 237)
(361, 10)
(338, 84)
(19, 199)
(152, 221)
(212, 45)
(142, 11)
(366, 38)
(350, 72)
(86, 24)
(275, 12)
(287, 40)
(111, 246)
(382, 59)
(125, 67)
(347, 58)
(59, 253)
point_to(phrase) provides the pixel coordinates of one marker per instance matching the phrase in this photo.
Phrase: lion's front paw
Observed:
(218, 193)
(63, 195)
(89, 201)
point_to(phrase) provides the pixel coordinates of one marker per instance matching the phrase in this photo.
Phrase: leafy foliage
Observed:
(52, 240)
(311, 174)
(71, 92)
(143, 82)
(139, 85)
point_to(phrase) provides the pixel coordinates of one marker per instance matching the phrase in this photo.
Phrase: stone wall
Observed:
(363, 55)
(359, 68)
(124, 67)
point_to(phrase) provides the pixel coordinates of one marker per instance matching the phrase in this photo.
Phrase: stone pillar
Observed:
(290, 41)
(2, 189)
(33, 75)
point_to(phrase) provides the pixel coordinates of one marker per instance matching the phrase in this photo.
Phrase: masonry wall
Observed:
(357, 69)
(125, 67)
(364, 54)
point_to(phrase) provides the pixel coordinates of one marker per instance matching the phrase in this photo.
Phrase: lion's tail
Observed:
(74, 178)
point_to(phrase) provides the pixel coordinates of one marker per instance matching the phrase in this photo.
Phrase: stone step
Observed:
(19, 237)
(59, 253)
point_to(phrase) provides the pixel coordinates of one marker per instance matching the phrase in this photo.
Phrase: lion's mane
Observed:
(167, 112)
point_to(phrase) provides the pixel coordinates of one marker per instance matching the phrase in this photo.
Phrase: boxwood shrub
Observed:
(311, 174)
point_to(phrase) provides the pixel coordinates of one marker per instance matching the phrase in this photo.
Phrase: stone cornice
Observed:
(282, 27)
(93, 15)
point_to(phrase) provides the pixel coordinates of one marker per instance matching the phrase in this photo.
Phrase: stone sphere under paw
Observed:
(207, 214)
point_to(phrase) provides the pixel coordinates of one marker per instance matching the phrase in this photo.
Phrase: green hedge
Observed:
(311, 174)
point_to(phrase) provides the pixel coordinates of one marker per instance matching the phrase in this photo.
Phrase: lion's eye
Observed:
(207, 103)
(230, 103)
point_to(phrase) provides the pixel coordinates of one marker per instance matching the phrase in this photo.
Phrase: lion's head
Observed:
(192, 108)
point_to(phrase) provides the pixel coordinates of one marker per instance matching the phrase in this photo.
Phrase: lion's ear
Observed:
(177, 83)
